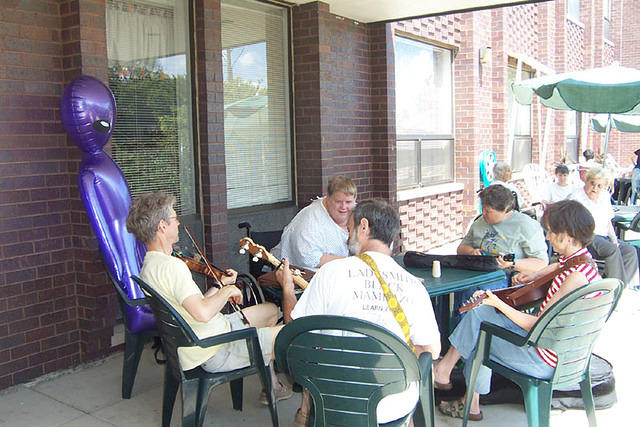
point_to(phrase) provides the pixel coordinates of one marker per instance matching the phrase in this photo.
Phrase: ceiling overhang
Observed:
(367, 11)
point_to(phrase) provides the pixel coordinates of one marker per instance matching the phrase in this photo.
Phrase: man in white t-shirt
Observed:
(153, 221)
(318, 233)
(348, 287)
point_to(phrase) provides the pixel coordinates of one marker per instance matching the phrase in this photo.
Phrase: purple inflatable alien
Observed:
(88, 112)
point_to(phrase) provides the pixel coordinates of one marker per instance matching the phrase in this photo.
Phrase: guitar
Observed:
(259, 252)
(524, 295)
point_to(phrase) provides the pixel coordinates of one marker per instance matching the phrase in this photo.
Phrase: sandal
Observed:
(301, 419)
(455, 409)
(281, 393)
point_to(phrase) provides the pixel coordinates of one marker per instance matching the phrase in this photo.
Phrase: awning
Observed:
(367, 11)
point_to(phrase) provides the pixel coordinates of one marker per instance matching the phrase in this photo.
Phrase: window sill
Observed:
(416, 193)
(575, 21)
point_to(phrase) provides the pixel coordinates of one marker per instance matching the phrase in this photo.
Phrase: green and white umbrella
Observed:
(609, 90)
(622, 122)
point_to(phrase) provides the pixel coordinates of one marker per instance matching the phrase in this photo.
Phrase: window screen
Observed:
(257, 130)
(150, 77)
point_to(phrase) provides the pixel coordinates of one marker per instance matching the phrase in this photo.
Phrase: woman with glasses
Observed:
(620, 259)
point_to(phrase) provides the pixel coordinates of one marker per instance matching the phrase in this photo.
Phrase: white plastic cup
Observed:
(436, 269)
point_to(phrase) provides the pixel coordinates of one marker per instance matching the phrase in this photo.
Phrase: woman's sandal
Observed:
(455, 409)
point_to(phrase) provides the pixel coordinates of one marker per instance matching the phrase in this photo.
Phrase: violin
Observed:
(200, 267)
(522, 296)
(207, 269)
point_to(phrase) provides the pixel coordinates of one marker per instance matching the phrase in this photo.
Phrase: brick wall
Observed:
(383, 123)
(57, 308)
(308, 128)
(38, 310)
(430, 221)
(333, 109)
(627, 47)
(211, 128)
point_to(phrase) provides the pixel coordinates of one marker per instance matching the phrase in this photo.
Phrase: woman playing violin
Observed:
(569, 227)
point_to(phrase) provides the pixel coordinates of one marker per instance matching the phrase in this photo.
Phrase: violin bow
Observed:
(206, 261)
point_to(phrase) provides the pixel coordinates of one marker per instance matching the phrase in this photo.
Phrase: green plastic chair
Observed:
(622, 227)
(570, 328)
(133, 342)
(348, 375)
(197, 383)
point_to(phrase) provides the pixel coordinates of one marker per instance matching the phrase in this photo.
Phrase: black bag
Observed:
(603, 387)
(465, 262)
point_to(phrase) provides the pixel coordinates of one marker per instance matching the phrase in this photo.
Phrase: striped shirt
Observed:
(590, 272)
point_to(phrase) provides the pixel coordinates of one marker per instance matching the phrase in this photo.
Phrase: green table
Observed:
(624, 213)
(452, 279)
(442, 288)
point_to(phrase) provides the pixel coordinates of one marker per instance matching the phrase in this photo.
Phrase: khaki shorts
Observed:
(235, 355)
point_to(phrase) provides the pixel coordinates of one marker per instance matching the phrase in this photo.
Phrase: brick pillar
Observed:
(211, 127)
(84, 51)
(309, 72)
(383, 121)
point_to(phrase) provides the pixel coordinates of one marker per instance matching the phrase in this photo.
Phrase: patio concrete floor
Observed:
(90, 395)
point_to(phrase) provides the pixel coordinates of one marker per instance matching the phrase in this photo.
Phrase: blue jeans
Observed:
(522, 359)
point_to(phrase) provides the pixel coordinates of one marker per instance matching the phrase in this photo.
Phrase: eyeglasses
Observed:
(173, 217)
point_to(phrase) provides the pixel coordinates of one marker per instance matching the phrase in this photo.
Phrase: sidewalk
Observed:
(90, 395)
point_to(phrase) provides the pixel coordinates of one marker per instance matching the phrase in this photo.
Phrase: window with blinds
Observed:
(150, 77)
(257, 129)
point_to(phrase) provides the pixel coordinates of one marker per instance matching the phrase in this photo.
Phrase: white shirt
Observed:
(601, 210)
(348, 287)
(554, 192)
(309, 235)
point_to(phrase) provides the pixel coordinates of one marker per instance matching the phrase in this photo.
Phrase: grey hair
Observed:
(599, 174)
(384, 221)
(497, 197)
(146, 212)
(502, 171)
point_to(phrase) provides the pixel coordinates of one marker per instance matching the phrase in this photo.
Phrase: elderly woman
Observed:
(502, 175)
(569, 228)
(620, 259)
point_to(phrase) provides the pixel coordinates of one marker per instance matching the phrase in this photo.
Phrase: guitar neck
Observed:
(297, 279)
(267, 256)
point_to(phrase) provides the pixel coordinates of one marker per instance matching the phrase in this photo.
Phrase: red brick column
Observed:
(84, 51)
(311, 163)
(211, 127)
